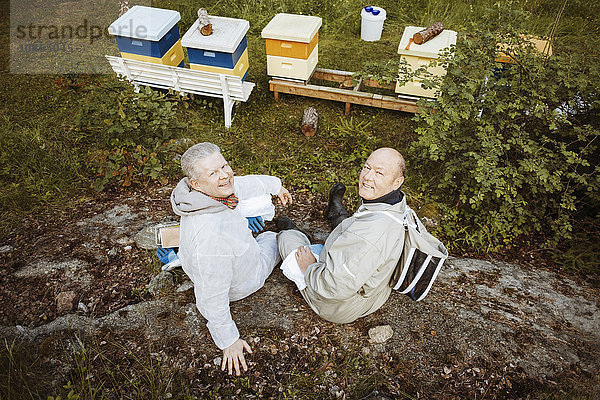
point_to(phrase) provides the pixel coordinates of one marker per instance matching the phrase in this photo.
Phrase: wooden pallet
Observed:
(346, 93)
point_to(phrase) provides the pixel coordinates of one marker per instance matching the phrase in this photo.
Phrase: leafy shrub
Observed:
(514, 147)
(133, 134)
(127, 165)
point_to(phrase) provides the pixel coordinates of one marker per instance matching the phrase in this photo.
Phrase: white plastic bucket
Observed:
(371, 23)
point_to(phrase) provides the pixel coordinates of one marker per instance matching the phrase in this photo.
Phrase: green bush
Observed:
(132, 134)
(513, 147)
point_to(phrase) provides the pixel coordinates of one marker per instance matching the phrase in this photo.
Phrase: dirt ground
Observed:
(488, 329)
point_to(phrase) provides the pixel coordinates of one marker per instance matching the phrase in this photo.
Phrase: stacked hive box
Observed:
(225, 51)
(543, 46)
(292, 45)
(149, 34)
(418, 55)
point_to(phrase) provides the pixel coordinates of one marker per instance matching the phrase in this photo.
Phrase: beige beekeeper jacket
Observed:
(351, 277)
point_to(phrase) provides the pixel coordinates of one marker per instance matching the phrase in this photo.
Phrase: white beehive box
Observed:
(295, 68)
(418, 55)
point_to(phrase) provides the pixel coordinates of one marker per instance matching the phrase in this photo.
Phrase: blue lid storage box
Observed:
(222, 49)
(146, 31)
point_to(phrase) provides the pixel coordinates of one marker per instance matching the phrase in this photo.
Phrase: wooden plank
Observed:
(345, 78)
(343, 95)
(332, 75)
(376, 84)
(356, 89)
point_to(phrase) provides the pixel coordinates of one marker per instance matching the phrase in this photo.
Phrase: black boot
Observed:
(284, 223)
(335, 211)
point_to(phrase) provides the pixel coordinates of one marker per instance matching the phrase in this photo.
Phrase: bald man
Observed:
(351, 277)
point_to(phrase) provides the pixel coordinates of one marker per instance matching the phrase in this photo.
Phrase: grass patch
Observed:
(72, 367)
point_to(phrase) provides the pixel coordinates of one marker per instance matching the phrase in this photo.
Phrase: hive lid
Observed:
(292, 27)
(429, 49)
(227, 33)
(147, 23)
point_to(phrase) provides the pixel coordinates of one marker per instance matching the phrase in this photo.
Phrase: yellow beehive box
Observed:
(541, 45)
(292, 45)
(286, 48)
(418, 55)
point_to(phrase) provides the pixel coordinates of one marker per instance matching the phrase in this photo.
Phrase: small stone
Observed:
(124, 240)
(82, 307)
(127, 248)
(193, 319)
(146, 238)
(67, 301)
(217, 361)
(161, 281)
(6, 249)
(184, 287)
(381, 334)
(113, 252)
(366, 351)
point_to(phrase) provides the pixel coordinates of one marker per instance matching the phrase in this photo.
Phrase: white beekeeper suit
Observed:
(217, 249)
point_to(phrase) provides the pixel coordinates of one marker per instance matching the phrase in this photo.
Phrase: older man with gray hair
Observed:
(216, 247)
(350, 278)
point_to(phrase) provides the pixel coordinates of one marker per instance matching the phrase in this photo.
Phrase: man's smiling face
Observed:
(216, 177)
(380, 175)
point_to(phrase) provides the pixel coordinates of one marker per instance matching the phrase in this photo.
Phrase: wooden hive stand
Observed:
(346, 93)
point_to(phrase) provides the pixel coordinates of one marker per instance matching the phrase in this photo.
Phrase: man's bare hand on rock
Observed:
(233, 356)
